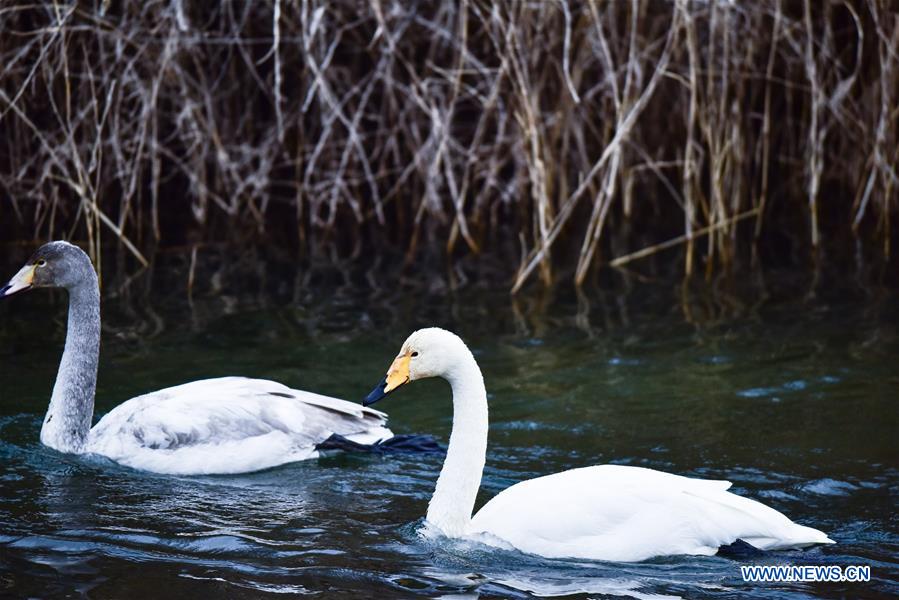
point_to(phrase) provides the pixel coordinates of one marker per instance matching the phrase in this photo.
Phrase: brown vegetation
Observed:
(569, 133)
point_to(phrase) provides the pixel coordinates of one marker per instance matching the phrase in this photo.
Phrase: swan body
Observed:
(621, 513)
(212, 426)
(607, 512)
(227, 425)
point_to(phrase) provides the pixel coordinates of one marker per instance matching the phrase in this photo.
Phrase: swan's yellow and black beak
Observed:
(397, 375)
(21, 281)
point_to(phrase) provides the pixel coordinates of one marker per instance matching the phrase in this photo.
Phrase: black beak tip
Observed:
(376, 394)
(4, 289)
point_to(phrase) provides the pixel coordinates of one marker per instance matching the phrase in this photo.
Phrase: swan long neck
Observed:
(68, 419)
(457, 487)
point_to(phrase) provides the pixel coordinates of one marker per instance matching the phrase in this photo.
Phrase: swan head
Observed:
(431, 352)
(56, 264)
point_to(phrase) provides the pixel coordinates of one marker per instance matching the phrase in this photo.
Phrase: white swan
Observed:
(213, 426)
(606, 512)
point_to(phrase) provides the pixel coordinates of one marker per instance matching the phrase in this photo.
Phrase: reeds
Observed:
(574, 133)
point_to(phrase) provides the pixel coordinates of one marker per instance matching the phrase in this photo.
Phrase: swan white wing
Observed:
(620, 513)
(228, 425)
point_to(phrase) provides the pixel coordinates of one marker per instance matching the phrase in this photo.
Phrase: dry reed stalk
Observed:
(765, 158)
(681, 239)
(690, 185)
(815, 133)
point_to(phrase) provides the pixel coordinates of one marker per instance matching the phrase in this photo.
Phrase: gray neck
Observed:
(457, 487)
(71, 411)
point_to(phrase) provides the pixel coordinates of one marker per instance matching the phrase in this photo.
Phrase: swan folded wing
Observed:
(226, 425)
(335, 404)
(620, 513)
(736, 517)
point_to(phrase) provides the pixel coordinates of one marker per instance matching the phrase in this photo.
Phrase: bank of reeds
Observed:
(568, 134)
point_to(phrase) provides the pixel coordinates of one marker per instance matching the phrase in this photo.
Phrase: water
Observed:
(793, 401)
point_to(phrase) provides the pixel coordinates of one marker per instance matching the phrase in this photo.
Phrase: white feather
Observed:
(228, 425)
(620, 513)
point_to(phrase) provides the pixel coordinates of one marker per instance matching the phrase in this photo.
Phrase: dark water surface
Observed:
(793, 401)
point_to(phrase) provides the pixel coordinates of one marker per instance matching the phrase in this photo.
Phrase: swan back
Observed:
(620, 513)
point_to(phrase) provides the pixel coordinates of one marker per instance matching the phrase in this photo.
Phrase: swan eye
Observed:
(414, 354)
(41, 263)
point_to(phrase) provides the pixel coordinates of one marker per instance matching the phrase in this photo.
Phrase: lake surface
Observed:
(792, 399)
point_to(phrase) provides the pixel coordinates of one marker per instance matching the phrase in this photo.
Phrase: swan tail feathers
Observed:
(799, 536)
(809, 536)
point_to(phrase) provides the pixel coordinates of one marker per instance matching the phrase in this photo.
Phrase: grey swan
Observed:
(212, 426)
